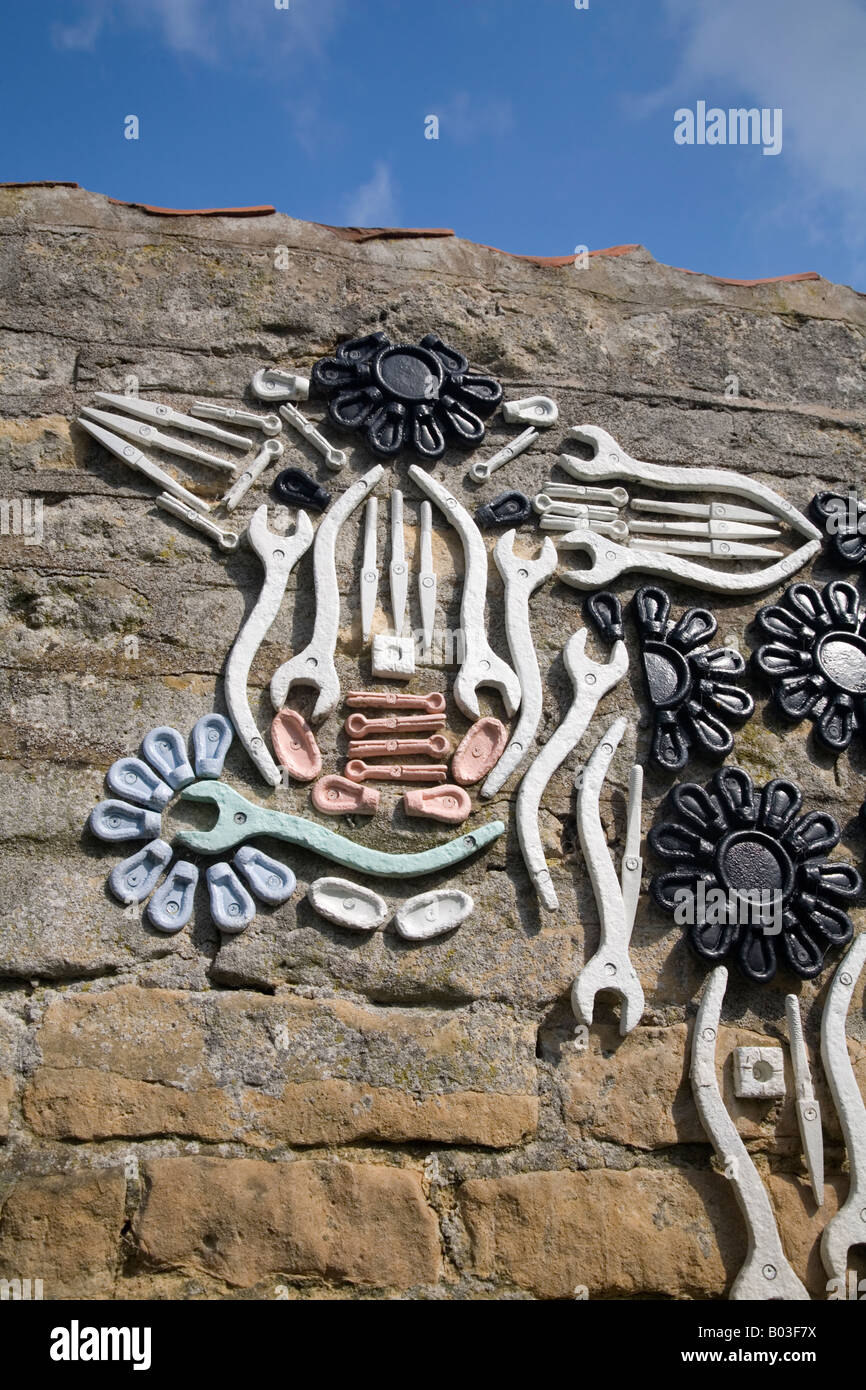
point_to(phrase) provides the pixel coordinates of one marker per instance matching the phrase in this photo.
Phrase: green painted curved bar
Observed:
(240, 820)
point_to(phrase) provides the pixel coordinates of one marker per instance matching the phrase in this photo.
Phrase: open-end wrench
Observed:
(432, 703)
(315, 664)
(481, 666)
(436, 747)
(278, 554)
(240, 820)
(766, 1273)
(358, 726)
(521, 578)
(616, 898)
(610, 461)
(359, 771)
(848, 1226)
(334, 458)
(591, 680)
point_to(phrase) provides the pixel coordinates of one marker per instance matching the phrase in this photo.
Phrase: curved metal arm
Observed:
(848, 1226)
(315, 664)
(278, 554)
(766, 1273)
(481, 666)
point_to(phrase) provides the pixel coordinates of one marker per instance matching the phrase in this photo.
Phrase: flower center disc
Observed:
(842, 658)
(667, 674)
(409, 373)
(748, 860)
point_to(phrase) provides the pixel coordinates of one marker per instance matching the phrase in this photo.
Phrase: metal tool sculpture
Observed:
(591, 680)
(815, 659)
(240, 820)
(481, 666)
(692, 696)
(157, 414)
(278, 554)
(401, 395)
(148, 434)
(665, 556)
(848, 1226)
(334, 458)
(521, 578)
(127, 453)
(616, 898)
(315, 664)
(398, 571)
(271, 450)
(427, 576)
(205, 525)
(808, 1108)
(843, 522)
(206, 410)
(766, 1273)
(369, 568)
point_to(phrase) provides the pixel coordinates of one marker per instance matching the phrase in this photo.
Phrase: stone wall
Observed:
(296, 1112)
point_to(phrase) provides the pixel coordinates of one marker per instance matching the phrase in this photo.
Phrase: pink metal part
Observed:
(449, 804)
(358, 725)
(479, 751)
(295, 745)
(336, 796)
(436, 747)
(434, 703)
(395, 772)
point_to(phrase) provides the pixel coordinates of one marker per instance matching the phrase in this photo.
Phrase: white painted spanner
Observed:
(591, 680)
(278, 554)
(521, 578)
(848, 1227)
(766, 1273)
(314, 666)
(616, 898)
(481, 666)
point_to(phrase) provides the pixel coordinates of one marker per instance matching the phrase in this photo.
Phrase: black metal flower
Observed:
(735, 847)
(816, 658)
(686, 683)
(420, 396)
(843, 521)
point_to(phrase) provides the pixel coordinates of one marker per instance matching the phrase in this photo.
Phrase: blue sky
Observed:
(556, 125)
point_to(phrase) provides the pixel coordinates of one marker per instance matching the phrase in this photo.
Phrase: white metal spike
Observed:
(427, 576)
(369, 568)
(398, 570)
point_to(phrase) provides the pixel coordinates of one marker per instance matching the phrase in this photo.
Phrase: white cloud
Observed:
(212, 30)
(374, 203)
(465, 118)
(808, 58)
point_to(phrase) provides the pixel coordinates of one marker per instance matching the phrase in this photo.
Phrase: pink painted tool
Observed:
(436, 747)
(358, 725)
(360, 771)
(434, 703)
(336, 796)
(295, 745)
(447, 803)
(479, 751)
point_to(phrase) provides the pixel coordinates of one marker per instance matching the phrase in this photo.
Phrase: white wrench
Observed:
(268, 424)
(481, 666)
(591, 680)
(315, 664)
(766, 1273)
(848, 1227)
(427, 576)
(334, 458)
(270, 450)
(278, 554)
(226, 540)
(521, 578)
